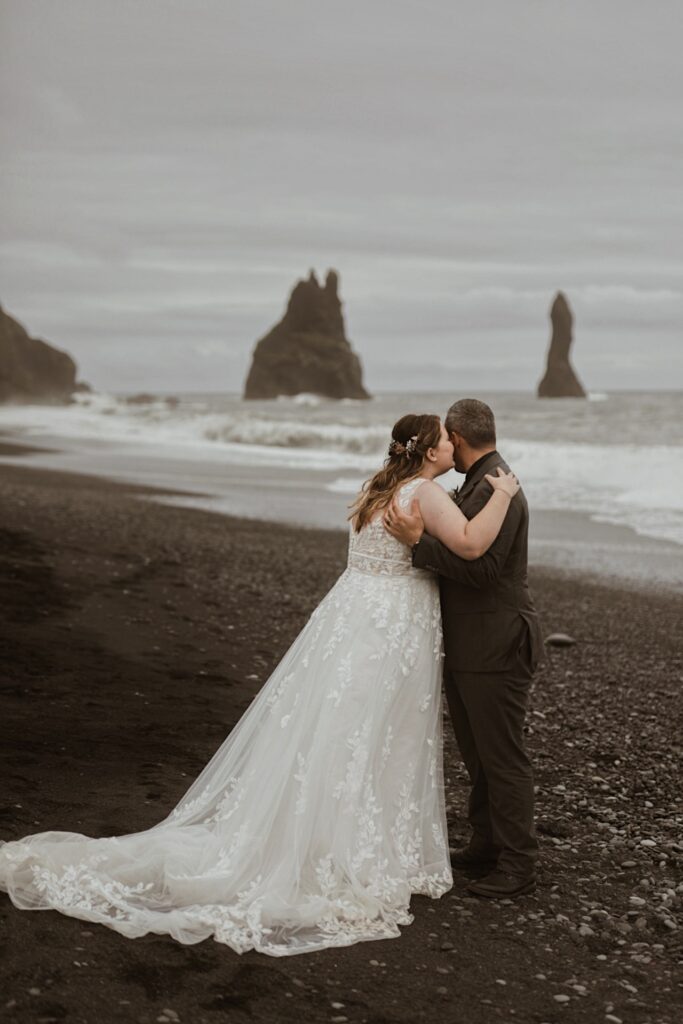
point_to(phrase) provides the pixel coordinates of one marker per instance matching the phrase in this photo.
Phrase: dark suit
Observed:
(493, 643)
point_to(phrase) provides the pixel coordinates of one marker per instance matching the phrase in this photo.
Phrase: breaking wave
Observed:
(631, 484)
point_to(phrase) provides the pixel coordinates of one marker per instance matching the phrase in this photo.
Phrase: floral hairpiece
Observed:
(398, 448)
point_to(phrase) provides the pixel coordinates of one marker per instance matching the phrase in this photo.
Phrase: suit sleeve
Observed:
(482, 572)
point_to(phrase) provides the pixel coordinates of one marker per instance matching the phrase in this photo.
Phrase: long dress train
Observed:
(320, 814)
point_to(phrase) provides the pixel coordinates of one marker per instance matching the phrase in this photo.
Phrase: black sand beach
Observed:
(135, 634)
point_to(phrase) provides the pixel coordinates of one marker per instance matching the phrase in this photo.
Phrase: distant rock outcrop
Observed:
(307, 351)
(30, 369)
(560, 380)
(144, 398)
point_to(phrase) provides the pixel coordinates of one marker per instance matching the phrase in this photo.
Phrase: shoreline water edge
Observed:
(267, 485)
(617, 458)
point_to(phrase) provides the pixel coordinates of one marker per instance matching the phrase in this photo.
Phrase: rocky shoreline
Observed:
(135, 635)
(31, 370)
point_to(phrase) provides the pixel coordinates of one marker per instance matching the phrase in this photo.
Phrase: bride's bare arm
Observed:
(467, 538)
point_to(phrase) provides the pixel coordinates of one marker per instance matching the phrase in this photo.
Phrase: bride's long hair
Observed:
(412, 436)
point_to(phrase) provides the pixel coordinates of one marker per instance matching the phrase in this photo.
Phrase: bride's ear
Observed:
(431, 454)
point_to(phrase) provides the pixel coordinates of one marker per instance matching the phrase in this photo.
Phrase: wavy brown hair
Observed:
(403, 462)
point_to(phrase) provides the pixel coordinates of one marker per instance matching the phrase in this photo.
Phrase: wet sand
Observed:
(134, 634)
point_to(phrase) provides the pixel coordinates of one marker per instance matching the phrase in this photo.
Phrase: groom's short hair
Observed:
(474, 421)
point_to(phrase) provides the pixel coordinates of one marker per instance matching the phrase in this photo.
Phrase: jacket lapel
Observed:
(487, 466)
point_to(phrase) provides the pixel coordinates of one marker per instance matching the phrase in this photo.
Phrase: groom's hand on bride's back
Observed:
(407, 527)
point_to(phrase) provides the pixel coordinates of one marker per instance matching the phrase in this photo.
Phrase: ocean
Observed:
(615, 459)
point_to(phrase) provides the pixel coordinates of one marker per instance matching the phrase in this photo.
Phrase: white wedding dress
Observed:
(321, 813)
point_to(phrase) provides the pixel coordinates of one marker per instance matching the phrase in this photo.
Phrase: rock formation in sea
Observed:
(307, 351)
(30, 369)
(145, 398)
(560, 380)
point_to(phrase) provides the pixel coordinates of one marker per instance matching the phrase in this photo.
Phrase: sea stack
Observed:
(307, 351)
(30, 369)
(560, 380)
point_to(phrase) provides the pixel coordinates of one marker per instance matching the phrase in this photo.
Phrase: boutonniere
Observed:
(454, 493)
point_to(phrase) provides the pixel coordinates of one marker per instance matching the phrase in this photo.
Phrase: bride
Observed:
(323, 810)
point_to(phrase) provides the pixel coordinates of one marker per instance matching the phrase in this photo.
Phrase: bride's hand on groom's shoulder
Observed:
(505, 482)
(407, 527)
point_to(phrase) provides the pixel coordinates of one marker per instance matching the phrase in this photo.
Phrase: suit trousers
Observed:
(488, 710)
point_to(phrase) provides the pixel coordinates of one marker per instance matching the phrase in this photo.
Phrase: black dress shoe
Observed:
(466, 857)
(501, 885)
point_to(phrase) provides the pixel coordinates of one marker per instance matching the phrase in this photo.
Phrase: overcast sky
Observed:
(171, 167)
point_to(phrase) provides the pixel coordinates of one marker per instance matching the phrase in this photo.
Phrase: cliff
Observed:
(307, 351)
(560, 380)
(30, 369)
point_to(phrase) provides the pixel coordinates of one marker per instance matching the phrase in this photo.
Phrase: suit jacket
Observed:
(489, 618)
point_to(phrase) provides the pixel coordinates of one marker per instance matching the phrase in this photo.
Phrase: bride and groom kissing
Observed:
(323, 811)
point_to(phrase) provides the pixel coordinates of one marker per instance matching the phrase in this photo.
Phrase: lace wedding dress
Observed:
(321, 813)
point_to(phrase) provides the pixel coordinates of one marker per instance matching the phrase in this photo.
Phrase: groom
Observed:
(493, 644)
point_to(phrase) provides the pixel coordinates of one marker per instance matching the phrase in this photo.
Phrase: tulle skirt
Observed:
(315, 821)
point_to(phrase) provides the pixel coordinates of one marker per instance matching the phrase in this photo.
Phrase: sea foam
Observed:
(635, 485)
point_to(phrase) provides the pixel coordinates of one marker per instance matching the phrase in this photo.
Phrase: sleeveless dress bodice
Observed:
(373, 550)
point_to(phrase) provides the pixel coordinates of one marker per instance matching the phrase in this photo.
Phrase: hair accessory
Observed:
(398, 448)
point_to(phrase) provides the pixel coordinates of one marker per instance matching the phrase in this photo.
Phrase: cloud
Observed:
(170, 174)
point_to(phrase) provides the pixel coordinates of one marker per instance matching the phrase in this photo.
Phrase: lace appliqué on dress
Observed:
(320, 814)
